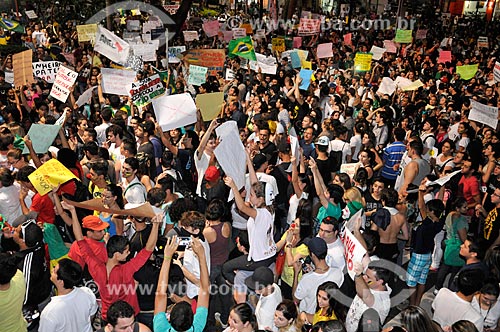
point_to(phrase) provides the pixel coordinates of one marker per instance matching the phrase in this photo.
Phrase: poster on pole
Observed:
(63, 82)
(144, 91)
(111, 46)
(46, 70)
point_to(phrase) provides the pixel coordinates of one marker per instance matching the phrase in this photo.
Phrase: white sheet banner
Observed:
(230, 152)
(117, 81)
(484, 114)
(111, 46)
(175, 111)
(46, 70)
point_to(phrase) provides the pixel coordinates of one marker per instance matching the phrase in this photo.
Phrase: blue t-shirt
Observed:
(161, 323)
(331, 211)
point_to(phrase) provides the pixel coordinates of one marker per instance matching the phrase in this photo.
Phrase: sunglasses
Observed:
(25, 225)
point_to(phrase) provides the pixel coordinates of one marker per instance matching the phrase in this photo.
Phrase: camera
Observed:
(307, 264)
(184, 243)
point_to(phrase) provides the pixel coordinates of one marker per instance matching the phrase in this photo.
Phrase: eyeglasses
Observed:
(25, 225)
(325, 231)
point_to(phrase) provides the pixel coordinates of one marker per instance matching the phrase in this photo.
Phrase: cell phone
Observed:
(184, 242)
(307, 264)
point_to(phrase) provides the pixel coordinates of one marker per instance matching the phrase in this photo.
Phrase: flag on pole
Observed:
(11, 25)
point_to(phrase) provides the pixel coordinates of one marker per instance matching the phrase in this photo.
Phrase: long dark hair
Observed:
(245, 313)
(330, 288)
(415, 319)
(116, 191)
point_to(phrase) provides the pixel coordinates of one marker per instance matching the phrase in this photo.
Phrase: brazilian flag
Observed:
(164, 77)
(242, 47)
(11, 25)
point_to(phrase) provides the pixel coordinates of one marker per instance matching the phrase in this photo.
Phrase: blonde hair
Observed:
(353, 194)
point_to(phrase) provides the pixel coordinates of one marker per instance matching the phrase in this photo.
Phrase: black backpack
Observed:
(336, 159)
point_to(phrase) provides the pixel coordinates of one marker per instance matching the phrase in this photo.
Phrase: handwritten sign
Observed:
(239, 33)
(390, 46)
(46, 70)
(349, 169)
(467, 72)
(111, 46)
(309, 27)
(213, 59)
(86, 32)
(64, 81)
(175, 111)
(421, 34)
(42, 136)
(348, 38)
(144, 91)
(482, 42)
(117, 81)
(403, 36)
(377, 52)
(190, 35)
(197, 75)
(362, 61)
(210, 104)
(278, 44)
(211, 28)
(23, 68)
(444, 56)
(353, 249)
(484, 114)
(325, 50)
(305, 75)
(50, 175)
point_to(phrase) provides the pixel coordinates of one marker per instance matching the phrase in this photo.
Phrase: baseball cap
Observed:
(94, 223)
(323, 140)
(317, 246)
(212, 174)
(261, 278)
(258, 160)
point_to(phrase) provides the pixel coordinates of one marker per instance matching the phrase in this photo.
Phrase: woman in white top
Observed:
(444, 161)
(486, 303)
(466, 133)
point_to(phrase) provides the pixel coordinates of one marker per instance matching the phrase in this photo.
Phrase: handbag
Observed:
(280, 262)
(452, 250)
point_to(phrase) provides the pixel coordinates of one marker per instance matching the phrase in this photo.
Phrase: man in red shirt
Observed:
(114, 279)
(468, 187)
(94, 228)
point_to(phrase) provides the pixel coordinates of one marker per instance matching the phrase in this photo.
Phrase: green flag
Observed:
(11, 25)
(242, 47)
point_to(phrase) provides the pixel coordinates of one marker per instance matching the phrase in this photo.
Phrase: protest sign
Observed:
(229, 74)
(348, 38)
(349, 169)
(197, 75)
(387, 86)
(307, 64)
(390, 46)
(353, 249)
(175, 53)
(85, 97)
(210, 104)
(190, 35)
(42, 136)
(446, 42)
(146, 51)
(305, 76)
(296, 62)
(65, 79)
(213, 59)
(134, 25)
(31, 14)
(413, 86)
(362, 61)
(496, 72)
(403, 36)
(46, 70)
(377, 52)
(23, 68)
(111, 46)
(171, 9)
(297, 42)
(117, 81)
(211, 28)
(309, 27)
(482, 42)
(278, 44)
(441, 181)
(175, 111)
(444, 56)
(144, 91)
(9, 76)
(484, 114)
(260, 34)
(86, 32)
(239, 33)
(230, 152)
(248, 28)
(402, 82)
(467, 72)
(325, 50)
(267, 65)
(49, 176)
(147, 27)
(421, 34)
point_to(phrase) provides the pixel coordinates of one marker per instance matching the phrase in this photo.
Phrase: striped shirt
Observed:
(393, 154)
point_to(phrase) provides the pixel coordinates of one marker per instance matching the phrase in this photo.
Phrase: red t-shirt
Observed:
(45, 208)
(97, 247)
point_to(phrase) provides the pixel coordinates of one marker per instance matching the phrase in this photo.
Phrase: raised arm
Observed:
(203, 294)
(165, 138)
(153, 236)
(99, 90)
(205, 138)
(251, 170)
(240, 203)
(318, 183)
(161, 290)
(295, 178)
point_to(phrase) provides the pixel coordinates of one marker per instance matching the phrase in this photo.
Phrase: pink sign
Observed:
(348, 38)
(444, 56)
(297, 42)
(390, 46)
(211, 28)
(325, 50)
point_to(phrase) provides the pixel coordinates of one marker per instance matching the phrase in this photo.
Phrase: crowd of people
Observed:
(267, 254)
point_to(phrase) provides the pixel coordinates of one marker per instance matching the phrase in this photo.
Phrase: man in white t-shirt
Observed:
(328, 231)
(73, 306)
(305, 290)
(262, 282)
(340, 144)
(450, 307)
(372, 291)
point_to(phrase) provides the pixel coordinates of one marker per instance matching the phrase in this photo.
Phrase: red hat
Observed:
(94, 223)
(212, 174)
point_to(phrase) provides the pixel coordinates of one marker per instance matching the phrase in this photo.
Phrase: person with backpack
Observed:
(340, 149)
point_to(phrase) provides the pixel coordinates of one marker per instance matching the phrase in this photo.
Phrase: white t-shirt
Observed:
(260, 236)
(294, 204)
(382, 304)
(70, 312)
(491, 316)
(308, 286)
(135, 192)
(10, 207)
(339, 145)
(271, 186)
(335, 257)
(405, 160)
(264, 311)
(356, 144)
(449, 308)
(201, 166)
(192, 264)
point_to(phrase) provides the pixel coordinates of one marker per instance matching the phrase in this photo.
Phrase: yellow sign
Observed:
(306, 64)
(363, 61)
(278, 45)
(467, 72)
(210, 104)
(86, 32)
(49, 176)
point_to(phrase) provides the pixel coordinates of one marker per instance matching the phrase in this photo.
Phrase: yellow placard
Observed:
(467, 72)
(278, 45)
(210, 104)
(306, 64)
(363, 61)
(49, 176)
(86, 32)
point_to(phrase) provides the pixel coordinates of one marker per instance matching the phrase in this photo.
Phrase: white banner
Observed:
(85, 97)
(65, 79)
(111, 46)
(147, 51)
(46, 70)
(484, 114)
(377, 52)
(175, 111)
(117, 81)
(230, 152)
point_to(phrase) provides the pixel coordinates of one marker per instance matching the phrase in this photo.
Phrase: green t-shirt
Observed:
(161, 323)
(330, 211)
